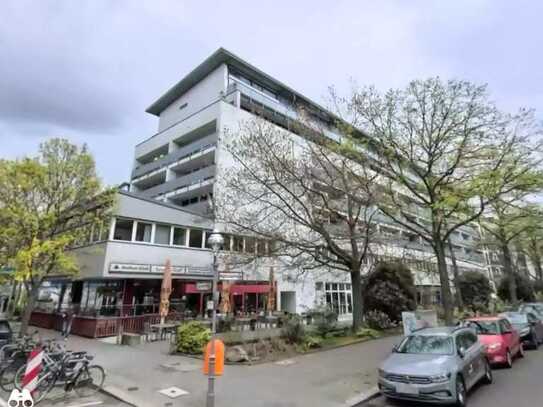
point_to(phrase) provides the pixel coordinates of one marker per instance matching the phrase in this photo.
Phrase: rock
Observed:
(236, 354)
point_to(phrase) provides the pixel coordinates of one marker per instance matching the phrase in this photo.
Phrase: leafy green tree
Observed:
(524, 288)
(45, 204)
(506, 221)
(475, 288)
(390, 289)
(531, 240)
(444, 153)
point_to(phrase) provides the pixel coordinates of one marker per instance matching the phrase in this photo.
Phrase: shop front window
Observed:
(101, 298)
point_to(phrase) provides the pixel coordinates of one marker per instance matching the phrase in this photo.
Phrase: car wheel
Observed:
(488, 378)
(520, 350)
(460, 392)
(508, 360)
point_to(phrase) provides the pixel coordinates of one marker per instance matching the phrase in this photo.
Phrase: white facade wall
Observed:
(201, 95)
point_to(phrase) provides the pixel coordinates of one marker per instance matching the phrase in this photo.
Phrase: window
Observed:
(207, 246)
(162, 234)
(143, 232)
(227, 242)
(179, 236)
(123, 229)
(338, 297)
(250, 245)
(238, 244)
(195, 238)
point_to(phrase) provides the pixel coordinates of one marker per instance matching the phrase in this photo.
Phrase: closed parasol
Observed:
(165, 291)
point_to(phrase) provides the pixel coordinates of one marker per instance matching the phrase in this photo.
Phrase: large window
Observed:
(179, 236)
(195, 238)
(339, 297)
(143, 232)
(123, 229)
(162, 234)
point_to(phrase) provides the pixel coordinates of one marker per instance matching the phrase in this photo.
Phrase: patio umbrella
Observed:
(225, 298)
(165, 291)
(271, 293)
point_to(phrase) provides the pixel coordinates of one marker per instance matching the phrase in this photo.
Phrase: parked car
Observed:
(501, 340)
(528, 325)
(6, 334)
(437, 365)
(535, 307)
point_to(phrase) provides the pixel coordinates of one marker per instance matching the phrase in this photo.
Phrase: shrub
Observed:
(368, 333)
(311, 342)
(390, 289)
(525, 290)
(378, 320)
(293, 330)
(475, 289)
(325, 320)
(192, 337)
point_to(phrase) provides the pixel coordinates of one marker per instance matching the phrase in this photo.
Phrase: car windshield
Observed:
(517, 319)
(485, 327)
(426, 344)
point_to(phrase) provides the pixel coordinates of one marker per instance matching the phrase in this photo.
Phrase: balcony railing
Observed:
(181, 182)
(176, 155)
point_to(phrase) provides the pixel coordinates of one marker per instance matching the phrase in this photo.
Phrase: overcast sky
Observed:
(86, 70)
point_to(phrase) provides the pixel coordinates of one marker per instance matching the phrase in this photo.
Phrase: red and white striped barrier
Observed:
(33, 369)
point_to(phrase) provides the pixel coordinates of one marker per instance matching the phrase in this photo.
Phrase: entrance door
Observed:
(288, 301)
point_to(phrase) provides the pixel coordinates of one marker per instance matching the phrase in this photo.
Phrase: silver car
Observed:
(435, 365)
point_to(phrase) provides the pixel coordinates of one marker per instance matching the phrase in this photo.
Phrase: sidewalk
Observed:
(330, 378)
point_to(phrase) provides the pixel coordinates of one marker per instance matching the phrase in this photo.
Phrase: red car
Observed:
(502, 341)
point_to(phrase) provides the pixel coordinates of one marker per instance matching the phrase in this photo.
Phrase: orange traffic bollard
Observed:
(219, 357)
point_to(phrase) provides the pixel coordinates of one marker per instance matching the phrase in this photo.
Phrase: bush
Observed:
(475, 289)
(293, 330)
(325, 320)
(192, 337)
(311, 342)
(390, 289)
(368, 333)
(378, 320)
(525, 290)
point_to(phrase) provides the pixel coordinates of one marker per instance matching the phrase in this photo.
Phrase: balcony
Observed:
(182, 182)
(182, 153)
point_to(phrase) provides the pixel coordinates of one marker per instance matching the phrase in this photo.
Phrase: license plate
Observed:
(406, 389)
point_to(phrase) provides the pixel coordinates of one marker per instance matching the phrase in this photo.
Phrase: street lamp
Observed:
(215, 240)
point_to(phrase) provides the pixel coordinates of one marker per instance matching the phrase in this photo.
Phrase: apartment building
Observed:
(183, 161)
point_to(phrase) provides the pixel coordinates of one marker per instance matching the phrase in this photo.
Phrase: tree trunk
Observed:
(30, 303)
(358, 304)
(458, 293)
(537, 265)
(509, 272)
(446, 296)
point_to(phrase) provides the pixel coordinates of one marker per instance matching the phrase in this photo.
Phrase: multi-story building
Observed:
(168, 211)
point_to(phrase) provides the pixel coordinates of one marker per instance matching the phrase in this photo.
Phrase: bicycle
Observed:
(71, 369)
(14, 355)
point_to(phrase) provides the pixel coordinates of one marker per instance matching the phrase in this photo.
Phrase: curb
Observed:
(367, 395)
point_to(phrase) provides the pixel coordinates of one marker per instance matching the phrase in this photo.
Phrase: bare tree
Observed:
(315, 207)
(446, 152)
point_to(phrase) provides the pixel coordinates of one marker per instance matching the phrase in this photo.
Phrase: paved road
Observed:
(521, 386)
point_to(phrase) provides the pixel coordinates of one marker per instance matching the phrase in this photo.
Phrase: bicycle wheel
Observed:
(46, 381)
(7, 375)
(89, 380)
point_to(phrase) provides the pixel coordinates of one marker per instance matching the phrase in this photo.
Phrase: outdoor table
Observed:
(165, 328)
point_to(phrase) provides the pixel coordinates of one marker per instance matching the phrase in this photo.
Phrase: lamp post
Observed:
(215, 240)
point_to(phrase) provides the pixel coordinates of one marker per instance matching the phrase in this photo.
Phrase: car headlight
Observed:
(440, 378)
(494, 346)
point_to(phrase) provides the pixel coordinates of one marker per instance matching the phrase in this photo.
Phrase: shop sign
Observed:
(129, 268)
(181, 270)
(203, 285)
(230, 275)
